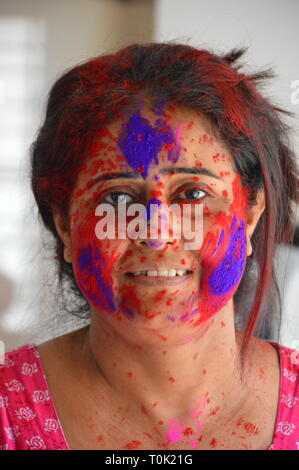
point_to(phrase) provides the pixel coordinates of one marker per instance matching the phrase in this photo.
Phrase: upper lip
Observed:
(156, 267)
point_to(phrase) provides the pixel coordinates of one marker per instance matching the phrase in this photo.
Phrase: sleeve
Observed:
(7, 441)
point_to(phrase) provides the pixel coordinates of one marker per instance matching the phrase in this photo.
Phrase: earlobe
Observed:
(248, 246)
(63, 232)
(253, 216)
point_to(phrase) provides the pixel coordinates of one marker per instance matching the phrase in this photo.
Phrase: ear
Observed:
(64, 233)
(253, 215)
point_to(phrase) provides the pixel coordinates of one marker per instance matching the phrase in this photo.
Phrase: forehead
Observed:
(153, 138)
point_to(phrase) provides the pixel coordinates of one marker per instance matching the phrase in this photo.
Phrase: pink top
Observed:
(29, 420)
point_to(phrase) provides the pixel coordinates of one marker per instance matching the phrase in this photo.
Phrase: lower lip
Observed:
(158, 280)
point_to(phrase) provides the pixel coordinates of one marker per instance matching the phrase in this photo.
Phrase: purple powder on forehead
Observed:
(140, 143)
(92, 264)
(231, 268)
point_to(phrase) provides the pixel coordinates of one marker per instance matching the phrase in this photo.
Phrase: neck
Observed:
(199, 369)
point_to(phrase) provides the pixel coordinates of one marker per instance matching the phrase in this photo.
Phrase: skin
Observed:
(133, 363)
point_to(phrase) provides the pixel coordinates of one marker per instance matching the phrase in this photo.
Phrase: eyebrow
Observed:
(135, 175)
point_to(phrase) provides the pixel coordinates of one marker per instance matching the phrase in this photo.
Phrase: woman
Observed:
(161, 364)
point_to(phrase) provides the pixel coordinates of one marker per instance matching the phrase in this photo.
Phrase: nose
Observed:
(159, 233)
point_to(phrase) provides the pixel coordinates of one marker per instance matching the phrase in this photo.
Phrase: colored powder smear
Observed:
(230, 270)
(140, 143)
(93, 268)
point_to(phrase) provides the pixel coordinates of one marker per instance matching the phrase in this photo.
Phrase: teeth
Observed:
(170, 273)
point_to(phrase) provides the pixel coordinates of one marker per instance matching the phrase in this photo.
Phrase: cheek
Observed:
(93, 264)
(223, 258)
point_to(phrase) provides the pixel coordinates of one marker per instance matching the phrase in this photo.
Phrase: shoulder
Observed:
(61, 347)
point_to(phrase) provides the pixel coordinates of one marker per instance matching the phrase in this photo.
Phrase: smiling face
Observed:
(163, 156)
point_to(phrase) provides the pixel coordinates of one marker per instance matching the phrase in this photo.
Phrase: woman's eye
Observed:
(192, 194)
(117, 198)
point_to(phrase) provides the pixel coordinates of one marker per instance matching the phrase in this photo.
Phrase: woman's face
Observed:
(172, 157)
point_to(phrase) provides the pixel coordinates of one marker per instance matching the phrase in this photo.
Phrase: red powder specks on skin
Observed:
(130, 374)
(224, 173)
(223, 323)
(219, 157)
(144, 410)
(160, 184)
(213, 412)
(195, 178)
(155, 404)
(190, 125)
(100, 438)
(240, 421)
(142, 259)
(171, 379)
(159, 295)
(183, 261)
(161, 422)
(225, 193)
(213, 442)
(188, 431)
(251, 428)
(198, 164)
(148, 434)
(156, 193)
(204, 372)
(163, 338)
(207, 211)
(169, 301)
(168, 147)
(132, 445)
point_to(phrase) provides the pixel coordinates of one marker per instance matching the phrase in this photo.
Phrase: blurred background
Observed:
(39, 39)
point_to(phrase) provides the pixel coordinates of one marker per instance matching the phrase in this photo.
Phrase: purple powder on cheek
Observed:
(92, 264)
(231, 268)
(140, 143)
